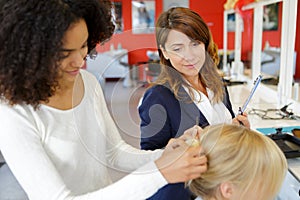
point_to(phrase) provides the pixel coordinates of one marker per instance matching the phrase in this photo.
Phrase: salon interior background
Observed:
(138, 44)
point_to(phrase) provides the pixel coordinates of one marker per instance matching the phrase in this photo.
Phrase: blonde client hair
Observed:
(242, 164)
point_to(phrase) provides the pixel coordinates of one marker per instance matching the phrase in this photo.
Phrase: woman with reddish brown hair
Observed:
(188, 90)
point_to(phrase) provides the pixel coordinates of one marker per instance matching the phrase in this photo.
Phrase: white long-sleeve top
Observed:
(66, 154)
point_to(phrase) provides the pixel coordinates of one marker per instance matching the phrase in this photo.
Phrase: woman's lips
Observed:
(189, 66)
(73, 73)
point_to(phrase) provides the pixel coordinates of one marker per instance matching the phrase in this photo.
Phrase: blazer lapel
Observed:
(191, 110)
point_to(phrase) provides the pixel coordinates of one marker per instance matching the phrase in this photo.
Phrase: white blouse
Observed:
(215, 113)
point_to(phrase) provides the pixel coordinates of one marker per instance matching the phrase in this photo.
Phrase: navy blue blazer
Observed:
(164, 117)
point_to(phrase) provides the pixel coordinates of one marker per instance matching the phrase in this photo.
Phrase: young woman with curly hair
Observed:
(188, 90)
(56, 134)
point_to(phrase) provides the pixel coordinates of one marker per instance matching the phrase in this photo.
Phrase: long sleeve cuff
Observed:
(140, 184)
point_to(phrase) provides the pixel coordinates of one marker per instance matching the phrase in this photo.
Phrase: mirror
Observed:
(117, 16)
(143, 16)
(175, 3)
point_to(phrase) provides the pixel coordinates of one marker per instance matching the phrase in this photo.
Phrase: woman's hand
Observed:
(241, 120)
(192, 134)
(181, 162)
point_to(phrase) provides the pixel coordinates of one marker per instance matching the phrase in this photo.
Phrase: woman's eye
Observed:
(84, 46)
(195, 44)
(65, 54)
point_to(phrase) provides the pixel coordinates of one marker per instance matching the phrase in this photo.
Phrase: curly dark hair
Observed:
(31, 41)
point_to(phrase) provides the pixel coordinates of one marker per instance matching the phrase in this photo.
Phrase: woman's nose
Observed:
(78, 59)
(188, 54)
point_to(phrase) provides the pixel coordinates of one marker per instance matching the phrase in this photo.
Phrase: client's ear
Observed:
(226, 189)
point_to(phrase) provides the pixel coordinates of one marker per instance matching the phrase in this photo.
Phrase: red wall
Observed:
(212, 13)
(136, 44)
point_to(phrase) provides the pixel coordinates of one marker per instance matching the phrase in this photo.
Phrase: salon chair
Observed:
(143, 72)
(148, 71)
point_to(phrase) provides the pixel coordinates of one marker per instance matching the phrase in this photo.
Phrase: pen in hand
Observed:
(240, 112)
(243, 108)
(256, 83)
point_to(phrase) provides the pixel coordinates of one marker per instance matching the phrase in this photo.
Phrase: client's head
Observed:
(242, 164)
